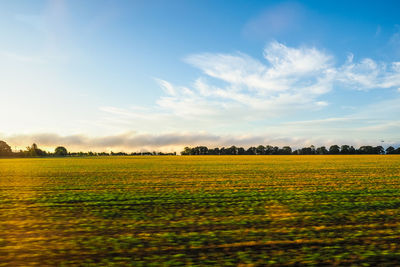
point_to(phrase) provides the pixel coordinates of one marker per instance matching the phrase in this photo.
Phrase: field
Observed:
(200, 210)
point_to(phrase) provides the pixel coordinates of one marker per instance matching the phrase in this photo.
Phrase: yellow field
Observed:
(200, 210)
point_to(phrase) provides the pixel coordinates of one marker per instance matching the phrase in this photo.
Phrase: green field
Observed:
(200, 210)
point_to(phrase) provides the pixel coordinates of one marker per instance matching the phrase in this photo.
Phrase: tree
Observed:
(34, 151)
(390, 150)
(241, 151)
(345, 149)
(334, 149)
(252, 151)
(216, 151)
(321, 150)
(223, 151)
(366, 150)
(286, 150)
(60, 151)
(202, 150)
(232, 150)
(269, 150)
(5, 149)
(186, 151)
(306, 151)
(260, 150)
(379, 150)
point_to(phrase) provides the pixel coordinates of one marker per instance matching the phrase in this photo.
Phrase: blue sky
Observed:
(132, 75)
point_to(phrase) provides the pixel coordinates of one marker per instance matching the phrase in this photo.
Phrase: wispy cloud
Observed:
(146, 142)
(236, 89)
(292, 79)
(369, 74)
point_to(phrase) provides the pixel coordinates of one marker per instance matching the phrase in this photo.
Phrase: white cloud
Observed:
(238, 93)
(289, 80)
(167, 87)
(369, 74)
(288, 69)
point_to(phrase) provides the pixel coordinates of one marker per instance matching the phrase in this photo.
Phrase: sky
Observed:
(160, 75)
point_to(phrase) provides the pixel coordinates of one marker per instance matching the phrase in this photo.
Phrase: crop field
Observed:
(200, 210)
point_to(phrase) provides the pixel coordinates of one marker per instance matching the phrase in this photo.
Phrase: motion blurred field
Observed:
(200, 210)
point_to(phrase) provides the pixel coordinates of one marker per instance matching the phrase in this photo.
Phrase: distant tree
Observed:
(321, 150)
(352, 150)
(366, 150)
(34, 151)
(199, 150)
(334, 149)
(260, 150)
(5, 149)
(269, 150)
(223, 151)
(216, 151)
(186, 151)
(306, 151)
(344, 149)
(241, 151)
(379, 150)
(296, 152)
(251, 151)
(286, 150)
(60, 151)
(232, 150)
(203, 150)
(390, 150)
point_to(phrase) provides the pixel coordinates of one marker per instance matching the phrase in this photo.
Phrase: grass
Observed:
(200, 210)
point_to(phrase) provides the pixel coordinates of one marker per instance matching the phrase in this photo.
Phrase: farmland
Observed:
(200, 210)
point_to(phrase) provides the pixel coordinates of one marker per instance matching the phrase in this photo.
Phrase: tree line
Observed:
(31, 151)
(60, 151)
(287, 150)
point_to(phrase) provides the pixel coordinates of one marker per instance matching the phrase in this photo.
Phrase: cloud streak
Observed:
(369, 74)
(144, 142)
(165, 142)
